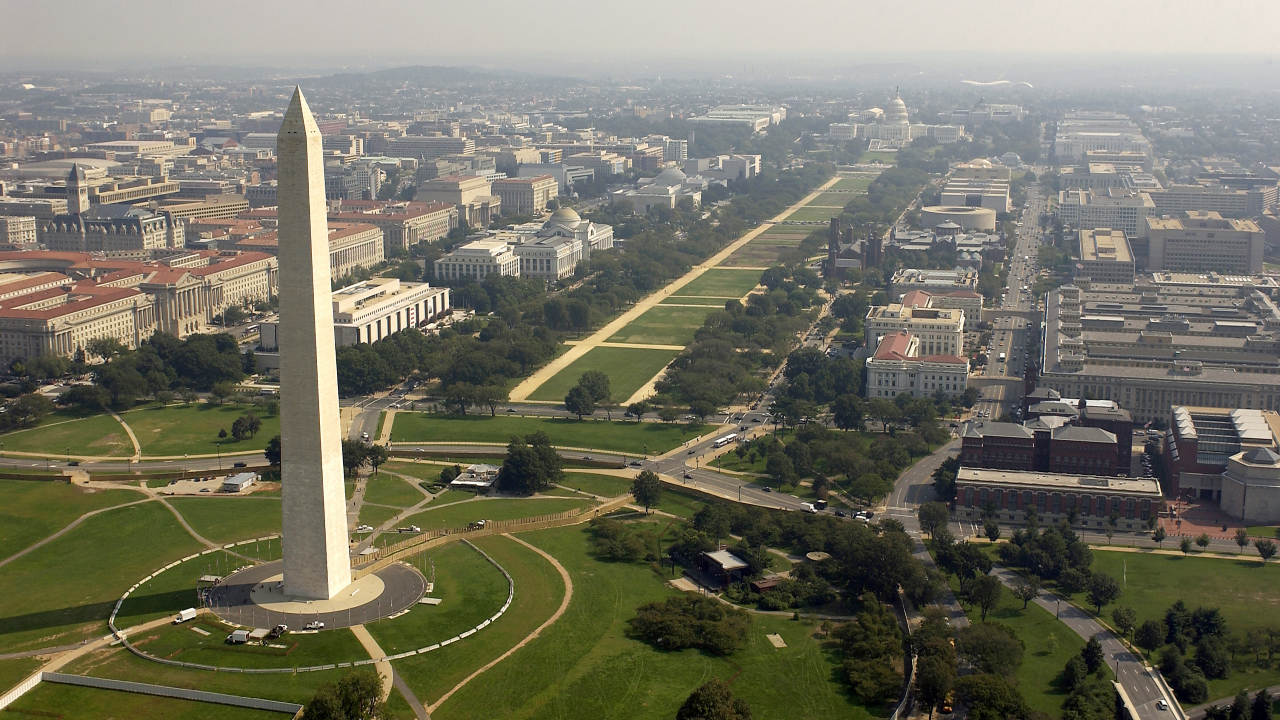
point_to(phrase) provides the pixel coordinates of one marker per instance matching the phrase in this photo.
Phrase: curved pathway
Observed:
(137, 448)
(67, 529)
(564, 605)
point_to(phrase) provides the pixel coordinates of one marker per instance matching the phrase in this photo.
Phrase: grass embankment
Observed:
(224, 520)
(69, 432)
(31, 510)
(50, 700)
(459, 514)
(663, 325)
(721, 283)
(193, 429)
(628, 370)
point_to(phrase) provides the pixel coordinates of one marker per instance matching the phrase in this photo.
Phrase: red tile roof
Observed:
(893, 346)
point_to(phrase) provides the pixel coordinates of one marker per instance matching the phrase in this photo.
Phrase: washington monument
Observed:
(316, 560)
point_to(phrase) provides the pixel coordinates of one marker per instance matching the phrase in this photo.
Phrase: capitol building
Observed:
(892, 129)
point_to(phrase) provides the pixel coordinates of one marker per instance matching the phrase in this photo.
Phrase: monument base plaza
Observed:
(254, 597)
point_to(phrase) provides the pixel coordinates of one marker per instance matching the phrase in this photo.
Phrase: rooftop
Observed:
(1049, 481)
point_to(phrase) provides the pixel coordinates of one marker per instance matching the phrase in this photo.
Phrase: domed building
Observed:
(895, 130)
(666, 189)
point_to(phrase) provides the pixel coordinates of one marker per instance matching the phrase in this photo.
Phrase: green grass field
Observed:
(1243, 590)
(193, 429)
(618, 436)
(833, 199)
(684, 505)
(722, 283)
(226, 520)
(61, 433)
(885, 158)
(459, 514)
(855, 183)
(664, 326)
(1049, 645)
(808, 213)
(711, 302)
(421, 470)
(794, 230)
(602, 485)
(585, 666)
(539, 590)
(82, 703)
(391, 490)
(119, 664)
(64, 591)
(375, 515)
(471, 590)
(31, 510)
(628, 370)
(180, 642)
(15, 670)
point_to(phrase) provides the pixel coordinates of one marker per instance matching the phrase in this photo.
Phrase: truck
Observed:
(820, 504)
(808, 507)
(184, 615)
(238, 637)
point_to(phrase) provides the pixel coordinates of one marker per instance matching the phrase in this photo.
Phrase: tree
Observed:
(848, 412)
(357, 696)
(531, 465)
(1159, 535)
(1266, 548)
(1103, 590)
(932, 517)
(273, 451)
(991, 697)
(1242, 539)
(459, 397)
(1093, 654)
(354, 455)
(713, 701)
(884, 411)
(638, 409)
(1125, 618)
(990, 647)
(30, 408)
(1185, 545)
(668, 414)
(647, 489)
(597, 383)
(221, 391)
(375, 455)
(490, 396)
(985, 593)
(222, 433)
(1240, 706)
(935, 676)
(991, 529)
(1026, 589)
(1149, 636)
(1260, 709)
(579, 401)
(1202, 540)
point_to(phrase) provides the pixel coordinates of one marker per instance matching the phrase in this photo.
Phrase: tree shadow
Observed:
(96, 612)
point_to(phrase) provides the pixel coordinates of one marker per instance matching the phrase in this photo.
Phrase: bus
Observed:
(1001, 357)
(721, 442)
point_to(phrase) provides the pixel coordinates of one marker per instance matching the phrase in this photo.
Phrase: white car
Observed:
(1162, 704)
(315, 625)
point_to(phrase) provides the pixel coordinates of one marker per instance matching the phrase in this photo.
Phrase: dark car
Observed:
(239, 465)
(687, 476)
(635, 463)
(839, 513)
(767, 489)
(692, 451)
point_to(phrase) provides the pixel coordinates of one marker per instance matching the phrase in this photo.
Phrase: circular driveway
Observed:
(236, 601)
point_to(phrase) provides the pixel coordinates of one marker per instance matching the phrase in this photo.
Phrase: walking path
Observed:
(137, 448)
(564, 605)
(383, 666)
(67, 529)
(546, 372)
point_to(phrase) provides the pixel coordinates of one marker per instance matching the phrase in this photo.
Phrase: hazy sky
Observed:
(332, 33)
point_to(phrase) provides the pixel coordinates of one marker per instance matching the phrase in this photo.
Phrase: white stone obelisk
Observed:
(316, 560)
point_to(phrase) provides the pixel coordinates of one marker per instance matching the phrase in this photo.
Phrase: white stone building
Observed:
(478, 259)
(899, 366)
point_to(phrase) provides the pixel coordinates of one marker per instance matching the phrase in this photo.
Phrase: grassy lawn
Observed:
(119, 664)
(684, 505)
(703, 301)
(830, 199)
(618, 436)
(885, 158)
(193, 429)
(226, 520)
(539, 590)
(628, 370)
(1264, 531)
(174, 589)
(857, 183)
(61, 433)
(391, 490)
(180, 642)
(471, 590)
(1049, 645)
(421, 470)
(448, 497)
(64, 591)
(82, 703)
(722, 282)
(1243, 590)
(375, 515)
(459, 514)
(808, 213)
(796, 230)
(31, 510)
(602, 485)
(585, 666)
(664, 326)
(16, 670)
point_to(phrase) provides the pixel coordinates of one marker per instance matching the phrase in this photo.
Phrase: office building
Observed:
(525, 195)
(551, 258)
(1105, 256)
(604, 163)
(756, 117)
(471, 194)
(979, 169)
(900, 365)
(1114, 208)
(371, 310)
(17, 232)
(1083, 132)
(478, 259)
(939, 331)
(934, 282)
(966, 301)
(565, 175)
(1200, 241)
(430, 146)
(1200, 442)
(1217, 198)
(969, 192)
(1092, 499)
(984, 112)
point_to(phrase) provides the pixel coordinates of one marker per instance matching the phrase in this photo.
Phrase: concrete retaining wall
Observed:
(172, 692)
